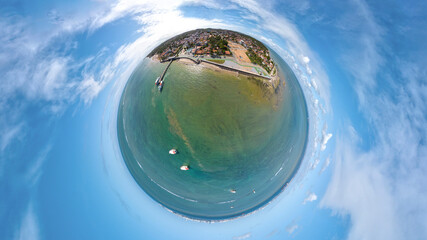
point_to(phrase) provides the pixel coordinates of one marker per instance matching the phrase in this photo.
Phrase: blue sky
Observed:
(360, 63)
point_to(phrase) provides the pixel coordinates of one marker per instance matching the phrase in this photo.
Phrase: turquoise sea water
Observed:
(233, 133)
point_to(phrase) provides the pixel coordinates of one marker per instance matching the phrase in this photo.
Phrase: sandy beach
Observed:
(273, 82)
(207, 65)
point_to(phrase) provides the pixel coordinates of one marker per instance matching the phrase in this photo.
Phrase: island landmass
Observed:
(224, 49)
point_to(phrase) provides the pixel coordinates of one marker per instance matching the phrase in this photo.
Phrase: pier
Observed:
(170, 60)
(166, 69)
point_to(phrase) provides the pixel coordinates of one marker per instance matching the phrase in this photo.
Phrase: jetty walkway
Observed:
(164, 71)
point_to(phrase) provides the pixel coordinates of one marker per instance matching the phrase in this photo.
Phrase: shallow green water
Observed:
(231, 131)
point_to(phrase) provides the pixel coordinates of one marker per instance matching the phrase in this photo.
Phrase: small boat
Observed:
(232, 190)
(184, 168)
(173, 151)
(157, 81)
(161, 86)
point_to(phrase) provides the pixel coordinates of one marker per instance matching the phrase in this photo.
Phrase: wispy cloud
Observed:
(8, 134)
(35, 171)
(243, 236)
(314, 163)
(20, 202)
(311, 197)
(291, 228)
(382, 183)
(360, 188)
(35, 71)
(325, 164)
(325, 137)
(29, 229)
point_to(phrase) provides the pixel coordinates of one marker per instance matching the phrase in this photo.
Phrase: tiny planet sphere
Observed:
(219, 99)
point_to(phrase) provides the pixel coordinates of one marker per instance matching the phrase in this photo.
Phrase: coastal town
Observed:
(224, 48)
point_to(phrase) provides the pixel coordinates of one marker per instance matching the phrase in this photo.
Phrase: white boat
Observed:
(160, 86)
(184, 168)
(157, 81)
(232, 190)
(173, 151)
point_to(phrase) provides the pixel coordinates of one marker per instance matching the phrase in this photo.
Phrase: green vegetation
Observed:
(190, 45)
(257, 59)
(218, 42)
(256, 42)
(215, 42)
(217, 61)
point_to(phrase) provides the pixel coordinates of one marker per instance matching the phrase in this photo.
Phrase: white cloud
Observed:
(305, 59)
(361, 189)
(251, 17)
(314, 163)
(35, 170)
(89, 88)
(291, 228)
(30, 71)
(130, 7)
(8, 134)
(34, 59)
(243, 236)
(36, 85)
(28, 229)
(49, 80)
(382, 183)
(325, 137)
(325, 164)
(310, 198)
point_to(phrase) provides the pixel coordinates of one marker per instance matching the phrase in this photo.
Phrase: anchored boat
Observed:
(161, 85)
(184, 168)
(173, 151)
(157, 81)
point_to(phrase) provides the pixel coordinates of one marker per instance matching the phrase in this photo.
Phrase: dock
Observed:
(166, 69)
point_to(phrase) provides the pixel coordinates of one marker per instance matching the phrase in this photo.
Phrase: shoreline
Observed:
(205, 65)
(273, 83)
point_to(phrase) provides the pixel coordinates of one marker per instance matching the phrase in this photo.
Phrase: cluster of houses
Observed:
(197, 43)
(202, 51)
